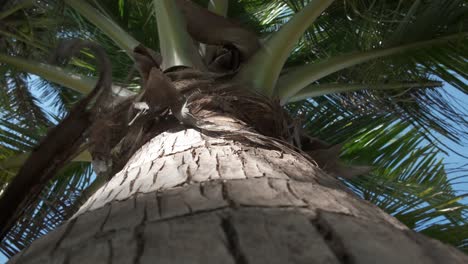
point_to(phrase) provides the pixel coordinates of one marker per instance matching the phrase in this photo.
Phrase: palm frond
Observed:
(176, 46)
(57, 203)
(265, 67)
(107, 25)
(409, 179)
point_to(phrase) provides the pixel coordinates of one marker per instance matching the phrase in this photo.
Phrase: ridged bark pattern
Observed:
(185, 197)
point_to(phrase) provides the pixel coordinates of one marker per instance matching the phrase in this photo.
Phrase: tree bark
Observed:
(185, 197)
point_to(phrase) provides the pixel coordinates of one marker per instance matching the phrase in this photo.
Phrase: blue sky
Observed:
(453, 160)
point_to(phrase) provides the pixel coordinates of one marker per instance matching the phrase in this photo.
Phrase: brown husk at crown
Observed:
(209, 28)
(217, 107)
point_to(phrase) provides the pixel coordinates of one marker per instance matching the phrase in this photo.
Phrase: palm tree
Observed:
(216, 139)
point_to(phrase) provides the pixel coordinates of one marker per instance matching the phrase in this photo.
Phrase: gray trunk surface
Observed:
(185, 197)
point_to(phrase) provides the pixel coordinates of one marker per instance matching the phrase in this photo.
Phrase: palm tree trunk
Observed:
(185, 197)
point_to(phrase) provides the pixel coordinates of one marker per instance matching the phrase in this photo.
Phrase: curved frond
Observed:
(409, 179)
(107, 25)
(264, 68)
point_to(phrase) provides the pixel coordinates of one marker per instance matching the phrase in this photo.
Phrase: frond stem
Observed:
(315, 90)
(106, 25)
(300, 77)
(219, 7)
(177, 47)
(52, 73)
(263, 69)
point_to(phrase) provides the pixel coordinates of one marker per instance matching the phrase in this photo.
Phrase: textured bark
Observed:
(185, 197)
